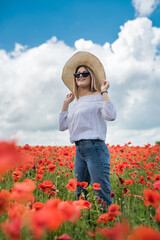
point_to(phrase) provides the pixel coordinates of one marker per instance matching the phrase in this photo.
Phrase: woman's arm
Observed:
(108, 110)
(104, 88)
(69, 98)
(63, 125)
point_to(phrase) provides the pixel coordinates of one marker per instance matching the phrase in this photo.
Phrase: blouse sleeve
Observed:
(108, 111)
(63, 125)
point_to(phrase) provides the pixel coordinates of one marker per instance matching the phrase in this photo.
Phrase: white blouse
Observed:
(87, 118)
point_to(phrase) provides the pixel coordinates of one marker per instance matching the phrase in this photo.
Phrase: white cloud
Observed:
(145, 7)
(51, 137)
(136, 137)
(32, 91)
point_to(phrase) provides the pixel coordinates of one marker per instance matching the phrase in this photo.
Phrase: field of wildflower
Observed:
(38, 195)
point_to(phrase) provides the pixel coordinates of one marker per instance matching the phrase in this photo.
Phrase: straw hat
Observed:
(83, 58)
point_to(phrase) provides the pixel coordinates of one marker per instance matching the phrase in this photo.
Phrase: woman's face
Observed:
(83, 82)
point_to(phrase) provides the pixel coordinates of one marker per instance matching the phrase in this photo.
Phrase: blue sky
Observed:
(38, 37)
(32, 22)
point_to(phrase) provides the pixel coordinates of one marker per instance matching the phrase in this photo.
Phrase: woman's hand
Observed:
(69, 98)
(105, 86)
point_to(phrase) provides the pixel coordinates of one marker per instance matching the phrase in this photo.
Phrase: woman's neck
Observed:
(85, 92)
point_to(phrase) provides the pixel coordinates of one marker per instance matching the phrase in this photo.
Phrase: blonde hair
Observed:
(93, 86)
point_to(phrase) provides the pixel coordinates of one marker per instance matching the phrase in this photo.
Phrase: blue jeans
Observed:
(92, 165)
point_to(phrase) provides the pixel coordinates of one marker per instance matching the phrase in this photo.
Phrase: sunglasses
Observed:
(84, 74)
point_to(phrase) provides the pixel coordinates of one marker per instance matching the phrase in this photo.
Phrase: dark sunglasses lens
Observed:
(77, 75)
(85, 74)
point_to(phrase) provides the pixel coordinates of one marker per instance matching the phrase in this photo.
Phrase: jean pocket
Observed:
(106, 150)
(103, 153)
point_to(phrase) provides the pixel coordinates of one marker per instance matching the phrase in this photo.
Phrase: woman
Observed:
(84, 75)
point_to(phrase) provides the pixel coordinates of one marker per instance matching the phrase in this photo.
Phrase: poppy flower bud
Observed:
(112, 194)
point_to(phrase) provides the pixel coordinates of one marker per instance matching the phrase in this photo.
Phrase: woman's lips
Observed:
(81, 79)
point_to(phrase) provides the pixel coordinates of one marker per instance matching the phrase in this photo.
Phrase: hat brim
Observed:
(87, 59)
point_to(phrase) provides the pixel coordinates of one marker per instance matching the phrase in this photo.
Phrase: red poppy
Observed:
(128, 182)
(121, 180)
(151, 198)
(67, 174)
(156, 177)
(96, 186)
(156, 185)
(51, 168)
(157, 216)
(98, 200)
(46, 186)
(72, 184)
(17, 175)
(103, 218)
(40, 171)
(81, 197)
(47, 218)
(83, 204)
(104, 205)
(112, 194)
(4, 201)
(64, 237)
(137, 196)
(53, 223)
(149, 185)
(42, 168)
(149, 173)
(142, 181)
(22, 192)
(149, 178)
(42, 187)
(38, 205)
(117, 232)
(39, 177)
(113, 210)
(43, 219)
(91, 234)
(82, 184)
(120, 168)
(69, 212)
(144, 233)
(27, 147)
(12, 228)
(52, 203)
(126, 192)
(17, 210)
(10, 156)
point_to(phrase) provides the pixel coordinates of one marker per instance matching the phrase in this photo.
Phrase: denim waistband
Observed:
(87, 141)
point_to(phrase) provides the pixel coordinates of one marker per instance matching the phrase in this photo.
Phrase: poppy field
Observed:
(38, 195)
